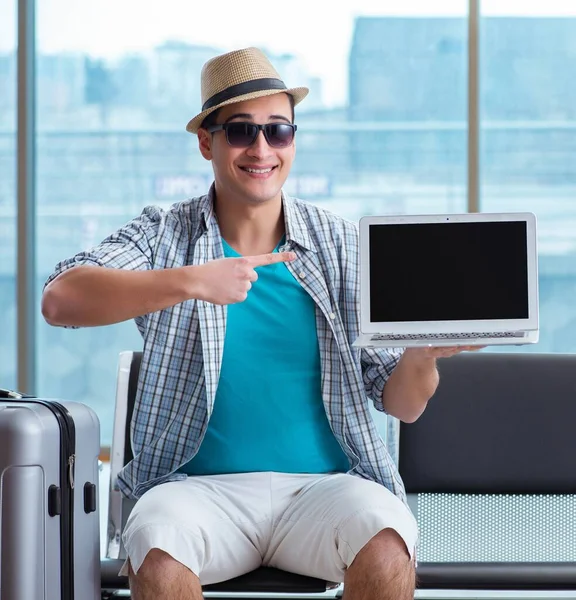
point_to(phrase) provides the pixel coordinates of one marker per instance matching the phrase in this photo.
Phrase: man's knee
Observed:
(161, 576)
(158, 565)
(382, 569)
(379, 532)
(386, 552)
(390, 544)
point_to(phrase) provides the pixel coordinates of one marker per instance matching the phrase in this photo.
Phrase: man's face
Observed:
(254, 174)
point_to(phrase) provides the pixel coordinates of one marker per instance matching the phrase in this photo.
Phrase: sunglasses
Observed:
(243, 135)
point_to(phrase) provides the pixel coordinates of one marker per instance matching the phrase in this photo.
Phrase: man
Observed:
(252, 435)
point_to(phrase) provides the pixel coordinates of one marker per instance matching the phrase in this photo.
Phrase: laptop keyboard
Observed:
(447, 336)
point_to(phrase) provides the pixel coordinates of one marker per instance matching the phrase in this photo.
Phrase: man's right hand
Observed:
(228, 280)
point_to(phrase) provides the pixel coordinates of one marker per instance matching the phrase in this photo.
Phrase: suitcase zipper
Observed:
(67, 463)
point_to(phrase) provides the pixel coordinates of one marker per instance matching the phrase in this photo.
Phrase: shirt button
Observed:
(332, 316)
(302, 275)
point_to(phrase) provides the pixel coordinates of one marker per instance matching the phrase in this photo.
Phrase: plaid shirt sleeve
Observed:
(377, 366)
(131, 247)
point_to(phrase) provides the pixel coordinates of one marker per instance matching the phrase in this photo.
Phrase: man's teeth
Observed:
(258, 170)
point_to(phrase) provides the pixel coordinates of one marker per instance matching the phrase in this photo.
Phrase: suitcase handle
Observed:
(12, 394)
(9, 394)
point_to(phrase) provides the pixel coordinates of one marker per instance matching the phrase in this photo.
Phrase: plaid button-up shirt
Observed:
(183, 344)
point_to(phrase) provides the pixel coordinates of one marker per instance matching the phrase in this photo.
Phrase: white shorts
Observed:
(222, 526)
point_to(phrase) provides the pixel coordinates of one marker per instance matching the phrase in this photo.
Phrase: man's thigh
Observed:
(216, 526)
(330, 521)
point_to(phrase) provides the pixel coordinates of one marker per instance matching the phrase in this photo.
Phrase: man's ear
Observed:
(205, 143)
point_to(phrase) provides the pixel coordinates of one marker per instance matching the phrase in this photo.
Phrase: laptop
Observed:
(448, 280)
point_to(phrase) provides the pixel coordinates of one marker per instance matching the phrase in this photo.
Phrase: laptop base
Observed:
(366, 341)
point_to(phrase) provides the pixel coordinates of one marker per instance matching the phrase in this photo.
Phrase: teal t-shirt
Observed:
(268, 412)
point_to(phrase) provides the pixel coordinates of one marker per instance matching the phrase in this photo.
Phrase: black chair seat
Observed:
(267, 579)
(264, 579)
(500, 576)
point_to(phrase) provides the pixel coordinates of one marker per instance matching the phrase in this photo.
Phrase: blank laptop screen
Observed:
(448, 271)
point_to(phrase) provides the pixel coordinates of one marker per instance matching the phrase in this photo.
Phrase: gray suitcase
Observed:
(49, 514)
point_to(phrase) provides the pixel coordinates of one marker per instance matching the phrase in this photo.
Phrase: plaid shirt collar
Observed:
(296, 229)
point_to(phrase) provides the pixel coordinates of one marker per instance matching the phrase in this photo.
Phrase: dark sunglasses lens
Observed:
(241, 135)
(279, 135)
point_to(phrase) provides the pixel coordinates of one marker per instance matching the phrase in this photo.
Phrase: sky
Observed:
(312, 29)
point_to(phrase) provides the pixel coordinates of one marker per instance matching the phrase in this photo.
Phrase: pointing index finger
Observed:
(270, 259)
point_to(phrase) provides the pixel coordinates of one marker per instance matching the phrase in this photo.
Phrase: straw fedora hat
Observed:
(237, 76)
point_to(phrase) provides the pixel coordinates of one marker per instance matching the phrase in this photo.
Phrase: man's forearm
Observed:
(87, 296)
(410, 386)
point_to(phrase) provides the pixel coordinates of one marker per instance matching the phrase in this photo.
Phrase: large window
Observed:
(382, 131)
(8, 193)
(528, 111)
